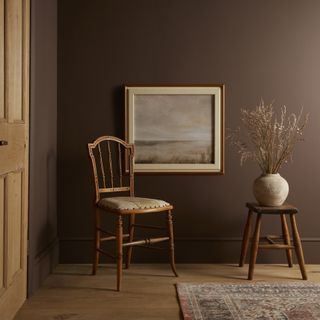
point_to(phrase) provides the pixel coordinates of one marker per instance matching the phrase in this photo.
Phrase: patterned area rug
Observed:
(260, 301)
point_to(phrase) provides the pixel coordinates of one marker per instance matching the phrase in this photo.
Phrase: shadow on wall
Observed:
(51, 180)
(47, 238)
(119, 113)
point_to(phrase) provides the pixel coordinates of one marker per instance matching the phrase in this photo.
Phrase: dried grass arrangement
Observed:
(268, 138)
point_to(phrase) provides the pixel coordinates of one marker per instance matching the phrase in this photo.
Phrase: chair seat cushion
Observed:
(131, 203)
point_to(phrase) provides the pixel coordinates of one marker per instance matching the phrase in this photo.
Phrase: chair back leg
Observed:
(119, 240)
(131, 235)
(171, 243)
(96, 242)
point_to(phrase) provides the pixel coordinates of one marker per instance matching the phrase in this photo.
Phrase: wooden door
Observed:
(14, 128)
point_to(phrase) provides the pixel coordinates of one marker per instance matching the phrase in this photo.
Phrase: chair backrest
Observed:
(112, 165)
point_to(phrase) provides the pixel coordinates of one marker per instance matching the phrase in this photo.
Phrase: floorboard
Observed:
(148, 290)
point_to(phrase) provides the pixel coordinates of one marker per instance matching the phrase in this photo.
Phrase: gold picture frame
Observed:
(176, 128)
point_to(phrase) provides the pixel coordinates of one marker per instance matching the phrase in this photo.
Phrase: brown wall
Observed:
(266, 49)
(43, 241)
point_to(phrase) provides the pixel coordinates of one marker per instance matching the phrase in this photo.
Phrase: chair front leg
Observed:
(171, 243)
(96, 242)
(131, 235)
(119, 242)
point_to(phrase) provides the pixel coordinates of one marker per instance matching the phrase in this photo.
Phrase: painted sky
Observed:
(173, 117)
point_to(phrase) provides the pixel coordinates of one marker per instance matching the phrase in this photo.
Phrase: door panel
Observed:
(14, 128)
(12, 156)
(2, 105)
(14, 221)
(13, 58)
(2, 233)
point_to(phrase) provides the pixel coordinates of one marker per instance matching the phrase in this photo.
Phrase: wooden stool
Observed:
(283, 210)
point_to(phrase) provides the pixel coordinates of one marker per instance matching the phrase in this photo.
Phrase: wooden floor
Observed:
(148, 290)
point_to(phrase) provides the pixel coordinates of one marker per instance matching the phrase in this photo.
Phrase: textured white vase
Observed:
(270, 190)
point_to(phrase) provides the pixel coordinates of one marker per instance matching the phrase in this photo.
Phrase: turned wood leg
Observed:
(131, 234)
(245, 239)
(96, 242)
(119, 240)
(171, 243)
(254, 246)
(298, 247)
(286, 238)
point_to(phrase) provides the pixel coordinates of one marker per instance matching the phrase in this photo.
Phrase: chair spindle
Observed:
(120, 165)
(110, 164)
(102, 166)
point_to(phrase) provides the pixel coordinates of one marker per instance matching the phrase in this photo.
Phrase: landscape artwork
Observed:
(174, 128)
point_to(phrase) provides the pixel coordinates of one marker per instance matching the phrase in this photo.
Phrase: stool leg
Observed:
(286, 238)
(298, 247)
(245, 239)
(254, 246)
(119, 236)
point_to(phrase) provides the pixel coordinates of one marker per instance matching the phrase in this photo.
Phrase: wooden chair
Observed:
(112, 164)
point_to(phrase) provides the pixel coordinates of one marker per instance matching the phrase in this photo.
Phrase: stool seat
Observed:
(285, 208)
(282, 211)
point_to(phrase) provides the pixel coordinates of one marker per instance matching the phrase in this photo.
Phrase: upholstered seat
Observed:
(132, 203)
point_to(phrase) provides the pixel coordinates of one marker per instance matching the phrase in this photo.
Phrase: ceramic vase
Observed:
(270, 190)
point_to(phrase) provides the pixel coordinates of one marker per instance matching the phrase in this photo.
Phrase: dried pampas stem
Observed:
(267, 140)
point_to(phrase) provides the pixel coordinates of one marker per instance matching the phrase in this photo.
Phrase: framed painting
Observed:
(177, 128)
